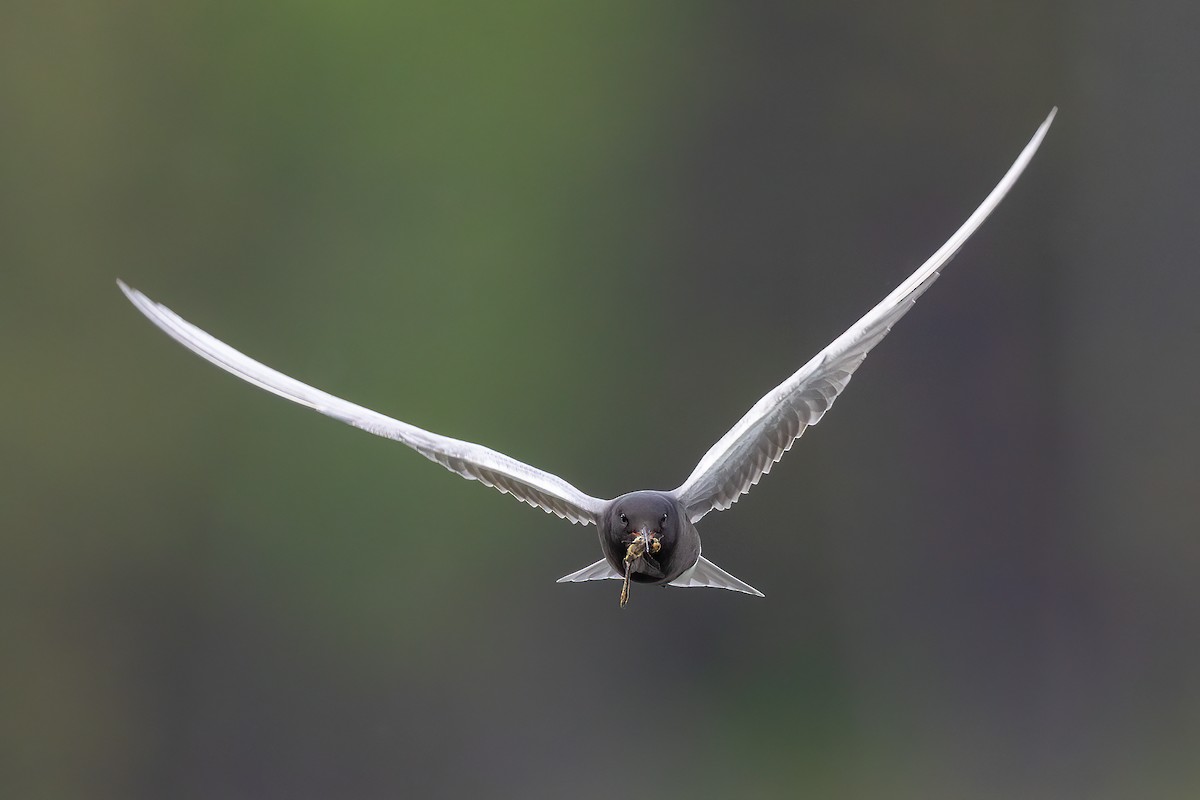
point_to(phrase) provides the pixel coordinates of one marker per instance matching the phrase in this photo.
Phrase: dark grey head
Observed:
(659, 518)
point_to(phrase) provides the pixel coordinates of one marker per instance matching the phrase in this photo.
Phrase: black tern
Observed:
(647, 536)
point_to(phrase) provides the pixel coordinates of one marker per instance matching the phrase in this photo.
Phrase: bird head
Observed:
(647, 522)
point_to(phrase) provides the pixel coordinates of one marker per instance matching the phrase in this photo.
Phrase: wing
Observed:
(472, 461)
(768, 430)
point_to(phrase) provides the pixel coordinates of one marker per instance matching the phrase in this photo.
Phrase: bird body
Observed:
(647, 537)
(658, 520)
(658, 517)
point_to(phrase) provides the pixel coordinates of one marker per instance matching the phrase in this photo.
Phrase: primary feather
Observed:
(768, 430)
(472, 461)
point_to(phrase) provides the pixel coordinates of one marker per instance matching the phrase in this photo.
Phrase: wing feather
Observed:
(749, 450)
(474, 462)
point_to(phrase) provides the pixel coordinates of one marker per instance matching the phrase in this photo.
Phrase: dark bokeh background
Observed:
(591, 236)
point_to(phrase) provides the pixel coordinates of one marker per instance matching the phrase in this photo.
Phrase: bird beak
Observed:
(647, 537)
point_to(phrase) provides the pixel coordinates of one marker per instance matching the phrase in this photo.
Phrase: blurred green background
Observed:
(590, 236)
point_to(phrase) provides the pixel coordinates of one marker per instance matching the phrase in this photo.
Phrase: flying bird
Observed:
(647, 537)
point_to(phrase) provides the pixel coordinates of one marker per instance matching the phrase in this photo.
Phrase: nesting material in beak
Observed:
(637, 549)
(642, 545)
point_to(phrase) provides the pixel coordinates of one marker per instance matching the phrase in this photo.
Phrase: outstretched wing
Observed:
(472, 461)
(768, 430)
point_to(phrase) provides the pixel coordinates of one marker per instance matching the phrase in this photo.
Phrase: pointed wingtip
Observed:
(1045, 126)
(1035, 142)
(1038, 135)
(130, 293)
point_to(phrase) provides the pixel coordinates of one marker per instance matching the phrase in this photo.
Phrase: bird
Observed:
(646, 536)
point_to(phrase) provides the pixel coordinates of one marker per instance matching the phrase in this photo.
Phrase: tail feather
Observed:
(593, 572)
(708, 574)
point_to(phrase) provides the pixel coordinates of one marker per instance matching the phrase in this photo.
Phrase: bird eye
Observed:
(624, 520)
(664, 519)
